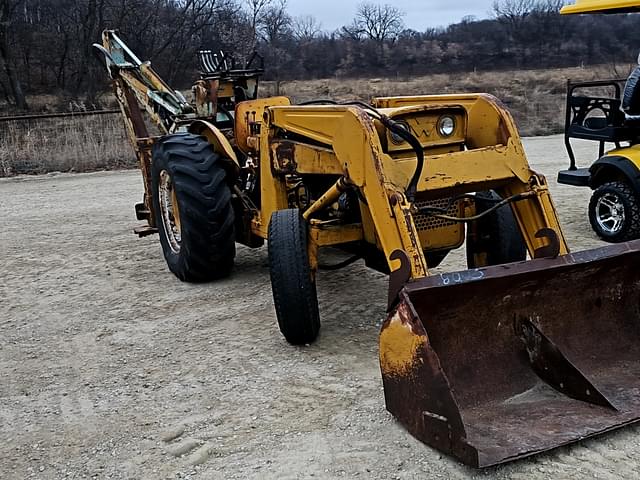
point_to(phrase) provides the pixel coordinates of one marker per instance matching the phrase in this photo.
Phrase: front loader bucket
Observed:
(498, 363)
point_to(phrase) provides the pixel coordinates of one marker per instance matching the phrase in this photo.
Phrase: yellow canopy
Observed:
(602, 6)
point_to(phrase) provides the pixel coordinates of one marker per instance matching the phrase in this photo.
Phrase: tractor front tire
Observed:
(292, 282)
(614, 212)
(193, 211)
(496, 237)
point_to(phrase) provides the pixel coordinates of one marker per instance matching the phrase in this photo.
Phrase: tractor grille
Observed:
(426, 222)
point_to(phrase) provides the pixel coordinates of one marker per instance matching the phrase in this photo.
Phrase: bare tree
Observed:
(256, 8)
(306, 28)
(512, 15)
(379, 23)
(275, 28)
(194, 15)
(45, 44)
(513, 12)
(275, 22)
(8, 14)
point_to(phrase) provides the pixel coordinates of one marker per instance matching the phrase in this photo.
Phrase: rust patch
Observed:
(286, 157)
(503, 134)
(415, 242)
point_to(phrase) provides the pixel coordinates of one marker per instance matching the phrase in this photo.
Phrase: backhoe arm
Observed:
(163, 104)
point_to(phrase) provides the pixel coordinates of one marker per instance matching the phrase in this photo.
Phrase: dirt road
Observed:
(112, 368)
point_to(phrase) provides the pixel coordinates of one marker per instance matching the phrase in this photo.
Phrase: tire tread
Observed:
(294, 290)
(207, 250)
(632, 231)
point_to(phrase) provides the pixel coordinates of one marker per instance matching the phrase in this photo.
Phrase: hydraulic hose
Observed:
(514, 198)
(393, 127)
(408, 137)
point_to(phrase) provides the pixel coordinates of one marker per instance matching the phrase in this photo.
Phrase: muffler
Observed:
(498, 363)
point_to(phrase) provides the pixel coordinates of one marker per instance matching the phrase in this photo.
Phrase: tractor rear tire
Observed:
(614, 212)
(292, 282)
(496, 234)
(193, 211)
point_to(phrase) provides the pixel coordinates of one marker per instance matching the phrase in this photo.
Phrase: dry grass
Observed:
(536, 99)
(69, 145)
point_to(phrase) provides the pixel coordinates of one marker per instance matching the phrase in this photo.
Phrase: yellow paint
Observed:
(216, 138)
(601, 6)
(326, 235)
(225, 89)
(308, 159)
(399, 346)
(346, 140)
(630, 153)
(252, 111)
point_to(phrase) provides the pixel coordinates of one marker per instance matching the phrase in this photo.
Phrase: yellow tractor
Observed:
(500, 361)
(609, 114)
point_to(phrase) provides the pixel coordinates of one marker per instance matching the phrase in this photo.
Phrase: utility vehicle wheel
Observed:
(614, 212)
(293, 285)
(192, 204)
(495, 238)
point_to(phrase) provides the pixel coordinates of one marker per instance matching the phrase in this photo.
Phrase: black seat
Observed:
(595, 123)
(597, 118)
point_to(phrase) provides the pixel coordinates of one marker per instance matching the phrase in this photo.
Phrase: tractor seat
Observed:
(595, 123)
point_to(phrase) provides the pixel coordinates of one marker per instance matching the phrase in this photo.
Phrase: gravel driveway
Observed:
(112, 368)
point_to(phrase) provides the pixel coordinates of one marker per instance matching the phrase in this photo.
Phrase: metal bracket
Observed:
(399, 277)
(144, 230)
(552, 366)
(552, 250)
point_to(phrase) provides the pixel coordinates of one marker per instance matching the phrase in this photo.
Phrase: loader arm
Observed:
(359, 158)
(347, 141)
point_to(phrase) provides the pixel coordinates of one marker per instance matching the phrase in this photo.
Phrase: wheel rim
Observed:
(610, 213)
(170, 211)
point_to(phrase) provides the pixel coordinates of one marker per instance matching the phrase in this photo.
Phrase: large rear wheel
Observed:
(292, 282)
(495, 238)
(192, 204)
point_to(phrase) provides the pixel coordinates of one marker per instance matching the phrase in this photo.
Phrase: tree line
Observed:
(45, 45)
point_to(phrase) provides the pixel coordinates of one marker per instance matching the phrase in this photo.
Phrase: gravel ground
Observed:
(112, 368)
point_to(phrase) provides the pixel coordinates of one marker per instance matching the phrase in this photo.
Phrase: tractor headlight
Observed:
(446, 125)
(395, 138)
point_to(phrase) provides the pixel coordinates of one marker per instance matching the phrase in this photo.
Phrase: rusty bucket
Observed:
(495, 364)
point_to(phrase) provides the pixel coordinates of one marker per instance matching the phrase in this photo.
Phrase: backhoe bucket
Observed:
(494, 364)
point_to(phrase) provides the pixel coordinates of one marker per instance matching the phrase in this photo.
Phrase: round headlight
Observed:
(446, 126)
(397, 139)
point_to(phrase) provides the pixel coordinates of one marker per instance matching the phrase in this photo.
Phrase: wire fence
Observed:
(44, 116)
(65, 142)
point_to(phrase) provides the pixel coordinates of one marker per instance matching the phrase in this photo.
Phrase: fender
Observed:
(220, 145)
(602, 168)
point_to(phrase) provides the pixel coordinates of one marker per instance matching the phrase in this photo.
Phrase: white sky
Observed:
(419, 15)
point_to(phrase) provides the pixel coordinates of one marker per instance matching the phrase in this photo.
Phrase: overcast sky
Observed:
(419, 14)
